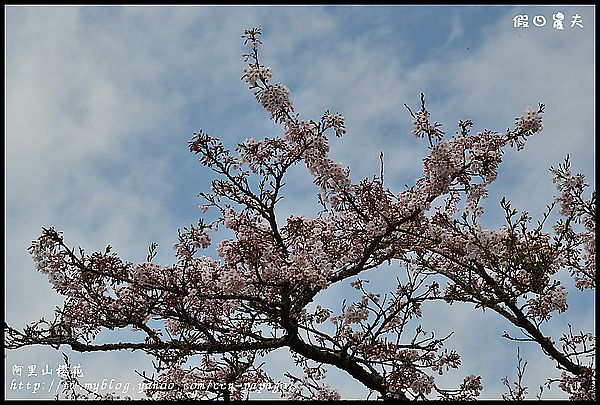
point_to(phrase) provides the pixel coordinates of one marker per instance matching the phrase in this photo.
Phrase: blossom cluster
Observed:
(526, 125)
(252, 74)
(580, 387)
(214, 380)
(442, 166)
(530, 122)
(335, 121)
(329, 175)
(275, 98)
(423, 384)
(543, 305)
(421, 125)
(577, 209)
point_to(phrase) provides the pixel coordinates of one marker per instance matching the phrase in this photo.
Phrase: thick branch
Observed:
(17, 339)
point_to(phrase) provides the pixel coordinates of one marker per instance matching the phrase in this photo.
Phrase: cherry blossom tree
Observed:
(208, 323)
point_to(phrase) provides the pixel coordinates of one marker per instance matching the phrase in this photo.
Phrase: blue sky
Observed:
(101, 101)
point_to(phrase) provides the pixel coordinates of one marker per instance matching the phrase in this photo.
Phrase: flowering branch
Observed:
(219, 317)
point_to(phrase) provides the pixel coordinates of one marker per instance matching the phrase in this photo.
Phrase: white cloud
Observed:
(456, 31)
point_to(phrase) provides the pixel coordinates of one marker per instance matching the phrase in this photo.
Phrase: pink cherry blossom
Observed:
(209, 320)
